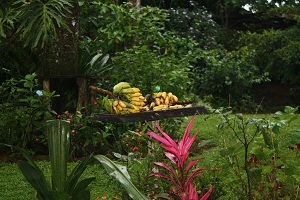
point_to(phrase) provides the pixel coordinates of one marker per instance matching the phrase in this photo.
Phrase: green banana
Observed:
(120, 86)
(108, 104)
(127, 91)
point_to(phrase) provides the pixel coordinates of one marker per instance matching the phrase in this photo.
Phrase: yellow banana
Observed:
(138, 103)
(164, 95)
(136, 90)
(170, 95)
(133, 110)
(157, 101)
(122, 104)
(162, 100)
(158, 94)
(176, 106)
(175, 99)
(138, 99)
(167, 100)
(137, 94)
(119, 107)
(116, 102)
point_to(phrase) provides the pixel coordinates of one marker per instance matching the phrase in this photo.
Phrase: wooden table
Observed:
(151, 115)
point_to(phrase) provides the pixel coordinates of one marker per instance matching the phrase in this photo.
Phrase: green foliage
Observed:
(63, 187)
(227, 76)
(24, 110)
(167, 71)
(276, 52)
(38, 20)
(194, 23)
(91, 60)
(120, 173)
(124, 26)
(262, 154)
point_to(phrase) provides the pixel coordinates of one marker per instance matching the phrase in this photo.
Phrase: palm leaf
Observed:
(38, 20)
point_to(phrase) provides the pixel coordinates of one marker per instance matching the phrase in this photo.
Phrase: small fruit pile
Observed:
(126, 99)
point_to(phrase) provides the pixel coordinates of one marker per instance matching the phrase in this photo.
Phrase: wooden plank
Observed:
(151, 115)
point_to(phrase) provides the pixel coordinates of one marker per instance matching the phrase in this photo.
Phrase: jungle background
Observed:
(226, 53)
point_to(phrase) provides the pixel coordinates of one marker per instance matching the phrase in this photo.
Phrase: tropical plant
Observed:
(262, 154)
(38, 20)
(120, 173)
(63, 186)
(181, 177)
(25, 110)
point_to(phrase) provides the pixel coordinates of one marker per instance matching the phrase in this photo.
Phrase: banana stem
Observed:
(99, 90)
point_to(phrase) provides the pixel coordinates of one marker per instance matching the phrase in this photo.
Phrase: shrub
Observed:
(24, 110)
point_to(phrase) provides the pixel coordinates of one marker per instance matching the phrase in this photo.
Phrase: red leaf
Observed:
(191, 164)
(193, 195)
(167, 167)
(192, 176)
(207, 194)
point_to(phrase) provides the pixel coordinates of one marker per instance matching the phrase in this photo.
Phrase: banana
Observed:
(127, 91)
(170, 95)
(136, 90)
(138, 99)
(127, 97)
(119, 107)
(137, 103)
(188, 106)
(137, 94)
(120, 86)
(158, 94)
(176, 106)
(116, 102)
(157, 101)
(175, 99)
(138, 108)
(167, 100)
(122, 104)
(164, 95)
(133, 110)
(122, 112)
(108, 104)
(160, 107)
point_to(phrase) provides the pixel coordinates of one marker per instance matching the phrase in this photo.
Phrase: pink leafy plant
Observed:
(182, 176)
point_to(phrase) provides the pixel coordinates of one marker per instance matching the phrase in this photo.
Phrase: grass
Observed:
(14, 186)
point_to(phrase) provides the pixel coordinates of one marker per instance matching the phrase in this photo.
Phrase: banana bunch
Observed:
(108, 104)
(163, 100)
(129, 99)
(123, 107)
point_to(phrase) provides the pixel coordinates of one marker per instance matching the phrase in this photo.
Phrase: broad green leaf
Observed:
(81, 186)
(58, 144)
(121, 174)
(36, 179)
(76, 173)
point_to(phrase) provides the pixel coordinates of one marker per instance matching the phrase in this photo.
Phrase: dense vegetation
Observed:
(224, 54)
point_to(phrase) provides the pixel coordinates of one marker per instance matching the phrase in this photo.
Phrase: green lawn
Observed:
(13, 186)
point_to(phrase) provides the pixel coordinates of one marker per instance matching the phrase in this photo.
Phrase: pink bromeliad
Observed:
(183, 176)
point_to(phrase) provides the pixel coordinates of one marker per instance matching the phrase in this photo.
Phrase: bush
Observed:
(25, 110)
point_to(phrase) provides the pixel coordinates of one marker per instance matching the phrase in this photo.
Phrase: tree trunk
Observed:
(61, 59)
